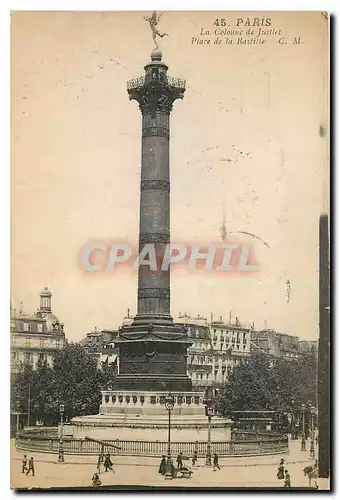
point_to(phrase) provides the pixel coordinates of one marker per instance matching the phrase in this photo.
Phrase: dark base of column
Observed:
(153, 324)
(164, 320)
(144, 382)
(152, 355)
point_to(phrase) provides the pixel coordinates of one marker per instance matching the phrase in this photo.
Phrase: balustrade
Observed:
(143, 80)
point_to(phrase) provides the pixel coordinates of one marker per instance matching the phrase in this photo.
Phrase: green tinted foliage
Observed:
(75, 380)
(264, 384)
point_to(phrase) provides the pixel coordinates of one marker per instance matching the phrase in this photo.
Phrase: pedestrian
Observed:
(30, 466)
(287, 479)
(162, 466)
(107, 463)
(95, 480)
(24, 464)
(281, 470)
(101, 459)
(194, 458)
(179, 460)
(314, 474)
(215, 462)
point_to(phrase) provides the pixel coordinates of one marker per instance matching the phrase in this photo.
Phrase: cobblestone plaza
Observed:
(76, 472)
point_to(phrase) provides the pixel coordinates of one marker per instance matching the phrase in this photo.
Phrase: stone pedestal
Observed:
(142, 416)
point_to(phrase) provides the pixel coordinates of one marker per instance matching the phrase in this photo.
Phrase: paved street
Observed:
(235, 472)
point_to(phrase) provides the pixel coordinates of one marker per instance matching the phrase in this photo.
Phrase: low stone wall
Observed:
(50, 432)
(27, 440)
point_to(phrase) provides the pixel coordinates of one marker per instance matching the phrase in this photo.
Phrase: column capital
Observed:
(156, 93)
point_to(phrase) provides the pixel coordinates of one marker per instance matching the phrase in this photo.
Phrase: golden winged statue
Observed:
(153, 21)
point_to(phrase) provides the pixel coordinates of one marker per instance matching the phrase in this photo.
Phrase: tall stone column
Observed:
(155, 93)
(153, 350)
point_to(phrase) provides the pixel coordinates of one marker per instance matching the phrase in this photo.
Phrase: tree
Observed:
(22, 390)
(42, 394)
(251, 386)
(260, 383)
(78, 381)
(74, 380)
(296, 381)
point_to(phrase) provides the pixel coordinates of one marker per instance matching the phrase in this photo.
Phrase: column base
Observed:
(153, 382)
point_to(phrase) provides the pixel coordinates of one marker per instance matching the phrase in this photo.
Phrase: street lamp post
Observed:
(18, 416)
(312, 446)
(292, 419)
(169, 405)
(209, 411)
(303, 440)
(61, 444)
(29, 405)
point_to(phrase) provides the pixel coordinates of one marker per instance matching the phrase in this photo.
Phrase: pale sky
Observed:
(76, 162)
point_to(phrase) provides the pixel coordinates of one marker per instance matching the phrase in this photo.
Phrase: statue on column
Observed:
(153, 21)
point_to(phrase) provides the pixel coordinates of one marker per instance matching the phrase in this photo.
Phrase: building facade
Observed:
(35, 337)
(217, 347)
(100, 345)
(275, 344)
(308, 346)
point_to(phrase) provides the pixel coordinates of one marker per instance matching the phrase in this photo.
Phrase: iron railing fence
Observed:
(244, 447)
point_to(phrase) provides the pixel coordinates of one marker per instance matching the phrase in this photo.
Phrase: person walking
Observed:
(281, 470)
(30, 467)
(194, 458)
(215, 462)
(179, 460)
(162, 466)
(95, 480)
(107, 463)
(24, 464)
(313, 475)
(287, 480)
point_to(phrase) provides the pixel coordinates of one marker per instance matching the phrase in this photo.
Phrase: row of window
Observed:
(228, 346)
(230, 332)
(28, 356)
(30, 326)
(223, 347)
(202, 360)
(229, 340)
(55, 343)
(208, 376)
(227, 335)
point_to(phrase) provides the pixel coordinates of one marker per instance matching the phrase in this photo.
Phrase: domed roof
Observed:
(45, 292)
(156, 55)
(52, 322)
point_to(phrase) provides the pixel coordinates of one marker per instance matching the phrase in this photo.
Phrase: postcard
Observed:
(170, 250)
